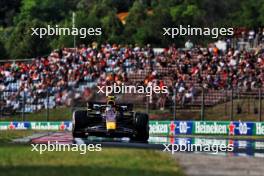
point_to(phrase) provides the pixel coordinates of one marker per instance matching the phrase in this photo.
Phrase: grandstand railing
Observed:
(231, 102)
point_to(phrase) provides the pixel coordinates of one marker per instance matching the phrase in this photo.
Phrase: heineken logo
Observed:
(44, 126)
(259, 128)
(210, 128)
(158, 128)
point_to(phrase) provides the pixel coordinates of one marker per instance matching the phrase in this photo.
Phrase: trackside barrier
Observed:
(59, 126)
(232, 128)
(163, 128)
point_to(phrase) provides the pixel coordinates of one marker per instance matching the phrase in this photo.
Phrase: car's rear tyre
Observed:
(80, 121)
(141, 124)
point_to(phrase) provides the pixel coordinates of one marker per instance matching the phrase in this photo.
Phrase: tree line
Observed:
(143, 25)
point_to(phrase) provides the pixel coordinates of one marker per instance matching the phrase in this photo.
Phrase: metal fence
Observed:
(207, 104)
(18, 103)
(22, 103)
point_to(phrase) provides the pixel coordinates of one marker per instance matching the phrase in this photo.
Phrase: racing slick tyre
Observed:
(141, 124)
(80, 121)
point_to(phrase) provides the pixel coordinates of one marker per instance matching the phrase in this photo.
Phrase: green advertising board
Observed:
(232, 128)
(159, 127)
(211, 127)
(60, 126)
(259, 128)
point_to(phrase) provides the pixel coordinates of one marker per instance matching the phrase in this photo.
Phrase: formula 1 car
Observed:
(110, 120)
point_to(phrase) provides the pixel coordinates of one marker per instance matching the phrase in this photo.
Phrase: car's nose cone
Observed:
(110, 126)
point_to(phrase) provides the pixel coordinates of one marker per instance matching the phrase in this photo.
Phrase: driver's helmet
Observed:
(110, 109)
(111, 100)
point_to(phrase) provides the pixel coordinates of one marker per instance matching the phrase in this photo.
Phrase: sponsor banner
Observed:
(232, 128)
(183, 127)
(14, 125)
(242, 128)
(59, 126)
(259, 128)
(160, 127)
(211, 127)
(170, 128)
(224, 128)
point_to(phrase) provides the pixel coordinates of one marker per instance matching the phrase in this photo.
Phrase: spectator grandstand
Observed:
(194, 76)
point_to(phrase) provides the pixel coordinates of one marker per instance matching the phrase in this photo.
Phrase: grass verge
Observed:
(57, 114)
(6, 136)
(19, 160)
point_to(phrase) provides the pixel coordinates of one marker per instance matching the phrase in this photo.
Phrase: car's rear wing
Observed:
(102, 105)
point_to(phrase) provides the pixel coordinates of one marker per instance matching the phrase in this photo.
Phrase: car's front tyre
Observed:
(79, 122)
(141, 124)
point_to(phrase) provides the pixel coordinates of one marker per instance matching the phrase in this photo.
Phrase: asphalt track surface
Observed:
(241, 147)
(246, 160)
(217, 165)
(66, 138)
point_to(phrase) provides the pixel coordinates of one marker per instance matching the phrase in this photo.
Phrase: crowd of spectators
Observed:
(69, 74)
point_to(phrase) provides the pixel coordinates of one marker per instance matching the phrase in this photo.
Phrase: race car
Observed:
(110, 120)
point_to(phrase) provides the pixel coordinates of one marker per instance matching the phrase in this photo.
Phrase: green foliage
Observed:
(250, 14)
(136, 18)
(63, 40)
(151, 31)
(112, 27)
(101, 8)
(261, 14)
(46, 10)
(2, 51)
(85, 4)
(22, 44)
(144, 22)
(185, 14)
(8, 9)
(121, 5)
(88, 20)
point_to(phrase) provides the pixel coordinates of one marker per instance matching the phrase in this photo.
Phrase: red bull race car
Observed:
(110, 120)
